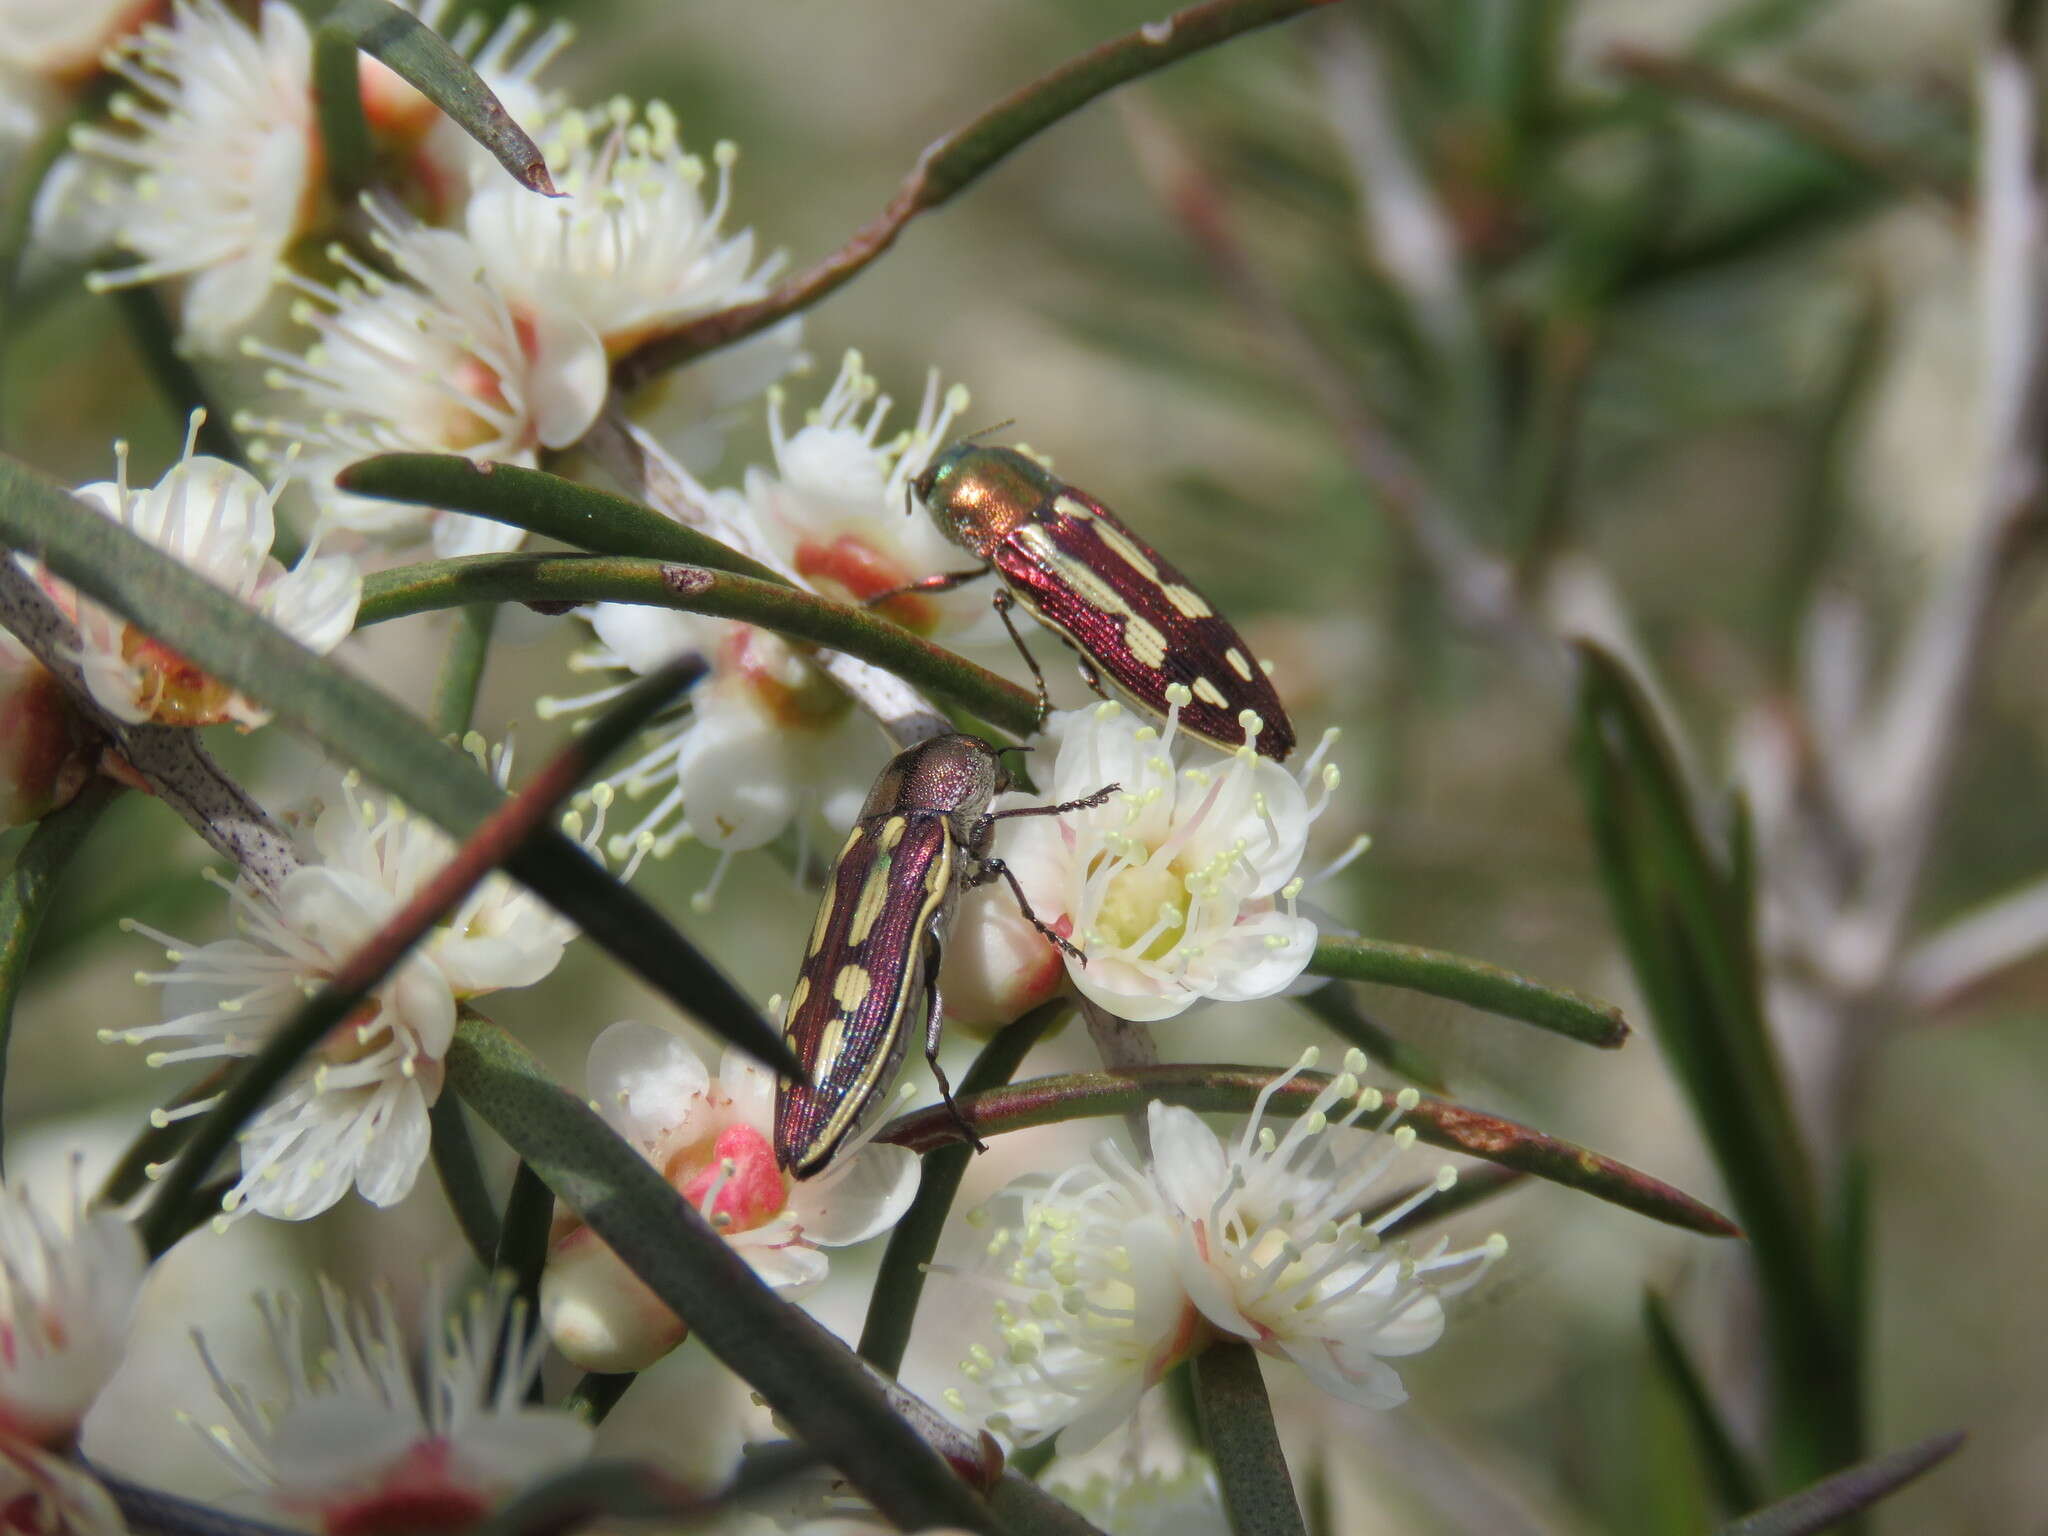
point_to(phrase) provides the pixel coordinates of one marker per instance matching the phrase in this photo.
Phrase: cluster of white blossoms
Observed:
(1180, 888)
(1110, 1274)
(769, 741)
(363, 1444)
(714, 1141)
(457, 312)
(68, 1283)
(355, 1112)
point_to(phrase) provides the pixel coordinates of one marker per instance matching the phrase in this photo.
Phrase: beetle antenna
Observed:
(981, 432)
(1011, 746)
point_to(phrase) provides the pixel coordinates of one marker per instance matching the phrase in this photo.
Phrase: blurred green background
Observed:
(1685, 357)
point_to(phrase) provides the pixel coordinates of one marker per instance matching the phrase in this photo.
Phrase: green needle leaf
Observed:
(577, 515)
(1734, 1481)
(817, 1385)
(899, 1280)
(1834, 1499)
(417, 55)
(1473, 982)
(1237, 1430)
(569, 579)
(27, 886)
(1232, 1090)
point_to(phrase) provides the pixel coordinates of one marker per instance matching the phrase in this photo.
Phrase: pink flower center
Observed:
(418, 1494)
(856, 571)
(741, 1188)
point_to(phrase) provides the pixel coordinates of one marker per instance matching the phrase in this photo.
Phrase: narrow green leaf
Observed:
(1473, 982)
(168, 1514)
(338, 101)
(1834, 1499)
(156, 341)
(899, 1279)
(158, 1143)
(26, 888)
(521, 1254)
(1340, 1013)
(462, 669)
(1231, 1090)
(462, 1178)
(1734, 1482)
(416, 54)
(1238, 1433)
(570, 579)
(365, 727)
(952, 163)
(578, 515)
(1686, 920)
(809, 1378)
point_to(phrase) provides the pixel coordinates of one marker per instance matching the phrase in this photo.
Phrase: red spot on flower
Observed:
(752, 1193)
(418, 1494)
(856, 571)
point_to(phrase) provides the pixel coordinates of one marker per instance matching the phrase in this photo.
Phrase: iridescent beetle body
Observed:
(1127, 612)
(871, 972)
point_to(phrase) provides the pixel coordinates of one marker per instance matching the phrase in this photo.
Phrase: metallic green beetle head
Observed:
(977, 494)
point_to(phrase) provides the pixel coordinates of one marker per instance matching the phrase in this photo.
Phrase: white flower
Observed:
(1112, 1274)
(631, 249)
(438, 362)
(1179, 888)
(714, 1141)
(356, 1112)
(444, 161)
(63, 39)
(68, 1283)
(226, 157)
(768, 739)
(835, 506)
(363, 1446)
(218, 519)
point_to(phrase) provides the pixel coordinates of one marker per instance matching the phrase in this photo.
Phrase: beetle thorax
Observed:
(979, 496)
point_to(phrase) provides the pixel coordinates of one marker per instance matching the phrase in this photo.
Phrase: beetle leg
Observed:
(1004, 602)
(993, 868)
(1085, 803)
(1089, 674)
(934, 1030)
(945, 581)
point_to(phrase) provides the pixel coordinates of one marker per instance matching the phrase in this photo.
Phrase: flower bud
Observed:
(599, 1313)
(996, 966)
(46, 747)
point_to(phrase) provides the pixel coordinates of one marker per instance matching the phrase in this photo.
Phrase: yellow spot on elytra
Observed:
(850, 986)
(873, 897)
(1127, 551)
(1209, 693)
(831, 1040)
(892, 832)
(1144, 642)
(1188, 602)
(1238, 663)
(1066, 506)
(798, 997)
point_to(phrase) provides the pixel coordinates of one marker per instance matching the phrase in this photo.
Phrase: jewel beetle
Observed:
(1078, 570)
(871, 973)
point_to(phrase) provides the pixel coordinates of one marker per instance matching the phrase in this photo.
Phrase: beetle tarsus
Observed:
(945, 581)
